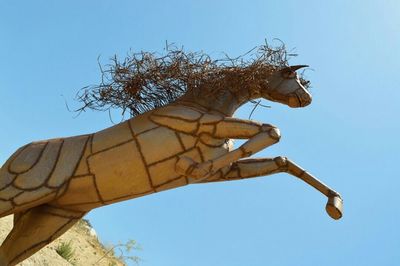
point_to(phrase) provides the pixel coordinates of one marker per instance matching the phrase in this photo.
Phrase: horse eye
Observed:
(289, 74)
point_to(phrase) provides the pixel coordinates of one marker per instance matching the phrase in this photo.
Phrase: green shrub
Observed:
(122, 252)
(65, 250)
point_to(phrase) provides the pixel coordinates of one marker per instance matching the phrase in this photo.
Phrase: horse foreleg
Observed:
(260, 136)
(250, 168)
(33, 230)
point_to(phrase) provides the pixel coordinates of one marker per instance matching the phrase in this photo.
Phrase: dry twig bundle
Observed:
(145, 81)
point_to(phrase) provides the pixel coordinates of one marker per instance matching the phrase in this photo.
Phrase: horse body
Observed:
(136, 158)
(49, 185)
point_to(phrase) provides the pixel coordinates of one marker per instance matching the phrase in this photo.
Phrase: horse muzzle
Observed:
(299, 98)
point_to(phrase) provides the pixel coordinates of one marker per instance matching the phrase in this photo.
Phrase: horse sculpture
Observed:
(49, 185)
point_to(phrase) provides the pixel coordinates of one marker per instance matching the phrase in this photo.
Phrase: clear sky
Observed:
(348, 137)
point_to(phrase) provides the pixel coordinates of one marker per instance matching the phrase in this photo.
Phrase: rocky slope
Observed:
(83, 240)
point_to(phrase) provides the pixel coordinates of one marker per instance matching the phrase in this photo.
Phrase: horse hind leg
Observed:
(17, 215)
(33, 230)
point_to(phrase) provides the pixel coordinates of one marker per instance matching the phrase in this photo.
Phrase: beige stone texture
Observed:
(120, 171)
(9, 192)
(6, 177)
(180, 181)
(163, 172)
(111, 137)
(142, 123)
(5, 206)
(209, 153)
(194, 154)
(178, 111)
(83, 168)
(80, 189)
(39, 172)
(210, 141)
(71, 153)
(155, 148)
(175, 124)
(27, 158)
(188, 140)
(29, 196)
(210, 118)
(128, 197)
(84, 207)
(207, 129)
(237, 127)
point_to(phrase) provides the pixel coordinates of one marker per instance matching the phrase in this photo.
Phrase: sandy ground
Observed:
(87, 249)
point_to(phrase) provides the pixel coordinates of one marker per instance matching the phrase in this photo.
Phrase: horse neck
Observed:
(226, 102)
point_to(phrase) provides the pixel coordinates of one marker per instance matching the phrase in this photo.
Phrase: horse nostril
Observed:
(307, 97)
(294, 101)
(303, 97)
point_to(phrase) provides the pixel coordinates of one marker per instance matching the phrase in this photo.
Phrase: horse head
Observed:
(286, 87)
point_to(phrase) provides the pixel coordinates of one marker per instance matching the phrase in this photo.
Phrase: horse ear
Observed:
(293, 68)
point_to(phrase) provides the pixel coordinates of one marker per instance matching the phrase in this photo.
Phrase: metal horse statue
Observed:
(49, 185)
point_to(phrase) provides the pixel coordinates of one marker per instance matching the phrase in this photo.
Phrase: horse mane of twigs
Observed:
(144, 81)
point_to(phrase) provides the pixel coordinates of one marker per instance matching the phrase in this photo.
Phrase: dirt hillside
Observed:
(87, 250)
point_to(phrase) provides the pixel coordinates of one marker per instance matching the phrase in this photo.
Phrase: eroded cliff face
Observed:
(87, 250)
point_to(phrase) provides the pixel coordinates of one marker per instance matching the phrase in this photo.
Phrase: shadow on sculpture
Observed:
(181, 131)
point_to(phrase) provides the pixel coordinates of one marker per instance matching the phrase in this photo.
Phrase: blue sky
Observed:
(348, 137)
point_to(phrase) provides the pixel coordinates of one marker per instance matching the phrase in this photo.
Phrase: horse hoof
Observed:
(334, 207)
